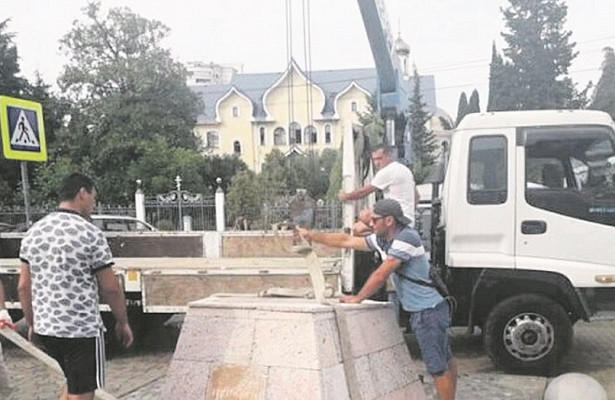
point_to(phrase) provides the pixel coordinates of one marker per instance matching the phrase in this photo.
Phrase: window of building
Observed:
(262, 135)
(353, 106)
(327, 133)
(310, 135)
(236, 148)
(213, 140)
(488, 170)
(279, 136)
(294, 131)
(235, 111)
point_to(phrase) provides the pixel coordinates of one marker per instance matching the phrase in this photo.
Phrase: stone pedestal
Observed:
(239, 347)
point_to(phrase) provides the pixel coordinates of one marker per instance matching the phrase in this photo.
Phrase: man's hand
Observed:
(350, 299)
(123, 333)
(304, 233)
(342, 196)
(5, 319)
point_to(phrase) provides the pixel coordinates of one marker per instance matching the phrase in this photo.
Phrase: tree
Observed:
(278, 178)
(474, 103)
(540, 54)
(423, 139)
(462, 107)
(372, 122)
(502, 89)
(244, 197)
(10, 85)
(129, 97)
(604, 93)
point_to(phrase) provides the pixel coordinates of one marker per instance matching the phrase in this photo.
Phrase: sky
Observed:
(449, 39)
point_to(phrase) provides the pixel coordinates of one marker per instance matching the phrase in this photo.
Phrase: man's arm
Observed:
(5, 317)
(24, 288)
(375, 281)
(357, 194)
(112, 294)
(341, 240)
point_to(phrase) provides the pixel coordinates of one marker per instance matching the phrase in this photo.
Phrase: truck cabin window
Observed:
(487, 171)
(571, 171)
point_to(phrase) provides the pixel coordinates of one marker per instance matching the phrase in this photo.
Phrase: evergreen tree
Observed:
(423, 139)
(474, 103)
(604, 93)
(461, 108)
(539, 52)
(373, 124)
(502, 90)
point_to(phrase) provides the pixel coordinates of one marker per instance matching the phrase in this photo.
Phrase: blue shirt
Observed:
(407, 247)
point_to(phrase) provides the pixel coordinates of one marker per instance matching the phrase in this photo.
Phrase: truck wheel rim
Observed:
(528, 336)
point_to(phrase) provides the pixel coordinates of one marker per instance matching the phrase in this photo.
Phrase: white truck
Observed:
(524, 227)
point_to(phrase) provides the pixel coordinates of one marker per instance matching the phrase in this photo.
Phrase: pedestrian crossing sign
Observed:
(22, 130)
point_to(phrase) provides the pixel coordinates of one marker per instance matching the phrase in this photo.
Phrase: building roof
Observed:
(331, 82)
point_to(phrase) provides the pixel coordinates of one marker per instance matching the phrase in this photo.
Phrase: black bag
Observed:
(436, 282)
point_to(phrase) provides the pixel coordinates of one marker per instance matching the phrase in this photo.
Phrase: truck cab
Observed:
(526, 224)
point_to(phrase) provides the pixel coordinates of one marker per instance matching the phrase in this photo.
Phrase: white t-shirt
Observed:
(397, 182)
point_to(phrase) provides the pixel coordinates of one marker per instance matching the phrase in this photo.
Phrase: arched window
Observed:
(279, 136)
(294, 131)
(262, 135)
(236, 148)
(235, 111)
(310, 135)
(327, 133)
(353, 106)
(213, 140)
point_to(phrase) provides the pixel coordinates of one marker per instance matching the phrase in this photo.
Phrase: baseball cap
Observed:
(390, 207)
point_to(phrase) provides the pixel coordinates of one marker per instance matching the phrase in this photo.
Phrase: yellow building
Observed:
(293, 111)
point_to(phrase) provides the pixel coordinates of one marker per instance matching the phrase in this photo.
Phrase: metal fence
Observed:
(202, 215)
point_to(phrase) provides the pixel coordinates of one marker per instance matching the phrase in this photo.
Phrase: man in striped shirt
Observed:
(407, 261)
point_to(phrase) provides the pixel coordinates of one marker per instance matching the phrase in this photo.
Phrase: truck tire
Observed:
(528, 333)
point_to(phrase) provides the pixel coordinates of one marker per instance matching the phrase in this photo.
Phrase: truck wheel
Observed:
(527, 333)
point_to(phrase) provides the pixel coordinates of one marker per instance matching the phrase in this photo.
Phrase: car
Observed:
(121, 223)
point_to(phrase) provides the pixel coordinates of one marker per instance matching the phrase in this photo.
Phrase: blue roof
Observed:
(332, 82)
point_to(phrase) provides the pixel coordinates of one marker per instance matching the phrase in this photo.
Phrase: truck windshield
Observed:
(571, 171)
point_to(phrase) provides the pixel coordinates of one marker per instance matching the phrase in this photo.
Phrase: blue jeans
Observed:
(431, 329)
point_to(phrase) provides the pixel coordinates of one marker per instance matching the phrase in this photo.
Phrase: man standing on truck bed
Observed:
(394, 179)
(66, 261)
(407, 261)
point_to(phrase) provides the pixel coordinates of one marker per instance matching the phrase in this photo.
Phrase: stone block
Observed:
(186, 380)
(215, 339)
(279, 348)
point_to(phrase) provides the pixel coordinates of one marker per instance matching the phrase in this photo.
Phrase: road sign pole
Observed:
(26, 192)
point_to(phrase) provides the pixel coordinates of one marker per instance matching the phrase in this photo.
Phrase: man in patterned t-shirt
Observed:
(66, 261)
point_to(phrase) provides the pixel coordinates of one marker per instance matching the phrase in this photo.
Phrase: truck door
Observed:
(480, 200)
(566, 201)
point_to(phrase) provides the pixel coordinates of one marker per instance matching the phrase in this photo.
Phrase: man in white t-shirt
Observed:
(396, 182)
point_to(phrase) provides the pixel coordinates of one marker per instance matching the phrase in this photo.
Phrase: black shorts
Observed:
(81, 359)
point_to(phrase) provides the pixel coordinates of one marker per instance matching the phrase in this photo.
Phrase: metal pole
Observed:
(26, 192)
